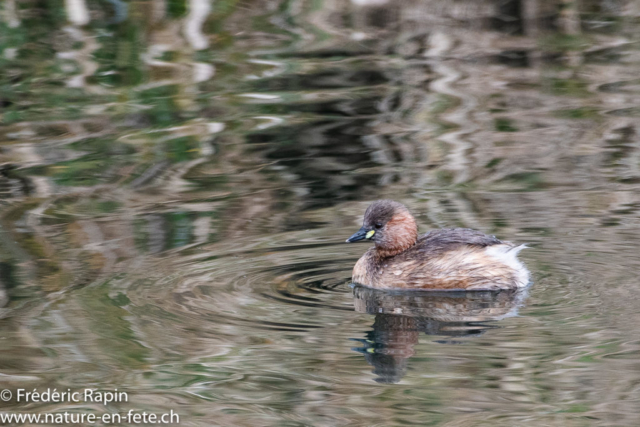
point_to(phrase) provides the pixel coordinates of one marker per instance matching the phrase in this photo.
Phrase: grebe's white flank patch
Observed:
(508, 255)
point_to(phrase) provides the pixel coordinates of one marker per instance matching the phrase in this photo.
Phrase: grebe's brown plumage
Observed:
(457, 258)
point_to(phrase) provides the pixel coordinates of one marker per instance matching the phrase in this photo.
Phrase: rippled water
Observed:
(177, 180)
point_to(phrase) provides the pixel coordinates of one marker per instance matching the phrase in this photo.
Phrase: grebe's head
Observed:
(390, 225)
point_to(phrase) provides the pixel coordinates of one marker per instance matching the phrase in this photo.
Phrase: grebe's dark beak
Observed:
(361, 234)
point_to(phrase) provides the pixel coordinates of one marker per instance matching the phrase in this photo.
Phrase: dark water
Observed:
(177, 180)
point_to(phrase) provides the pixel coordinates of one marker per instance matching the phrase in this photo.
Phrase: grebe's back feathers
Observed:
(446, 238)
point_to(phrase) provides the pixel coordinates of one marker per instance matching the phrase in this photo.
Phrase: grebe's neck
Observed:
(401, 233)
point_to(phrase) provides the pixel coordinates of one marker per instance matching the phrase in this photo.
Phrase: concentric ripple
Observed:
(255, 284)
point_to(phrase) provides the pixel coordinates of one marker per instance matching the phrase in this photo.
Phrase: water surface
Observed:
(177, 180)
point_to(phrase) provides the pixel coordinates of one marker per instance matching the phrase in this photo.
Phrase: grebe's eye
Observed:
(378, 226)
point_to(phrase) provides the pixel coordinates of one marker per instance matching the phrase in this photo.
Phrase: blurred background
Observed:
(177, 179)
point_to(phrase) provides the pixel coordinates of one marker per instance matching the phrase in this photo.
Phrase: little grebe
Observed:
(451, 259)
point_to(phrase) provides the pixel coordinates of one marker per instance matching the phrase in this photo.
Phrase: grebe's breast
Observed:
(365, 269)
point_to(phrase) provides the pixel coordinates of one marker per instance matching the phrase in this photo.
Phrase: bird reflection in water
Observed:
(402, 315)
